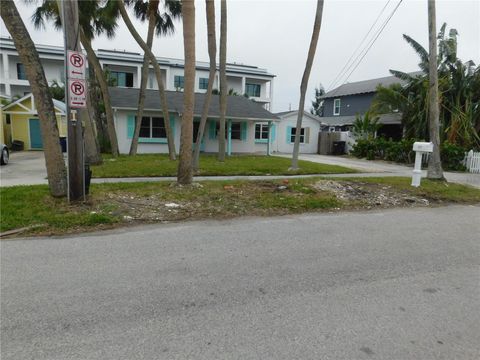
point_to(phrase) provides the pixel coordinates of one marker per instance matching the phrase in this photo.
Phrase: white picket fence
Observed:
(472, 162)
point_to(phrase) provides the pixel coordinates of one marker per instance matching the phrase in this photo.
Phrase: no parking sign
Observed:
(77, 92)
(77, 89)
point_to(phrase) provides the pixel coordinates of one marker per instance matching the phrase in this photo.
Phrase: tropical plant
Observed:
(317, 104)
(459, 94)
(158, 75)
(184, 174)
(57, 90)
(161, 24)
(56, 170)
(366, 126)
(212, 54)
(303, 86)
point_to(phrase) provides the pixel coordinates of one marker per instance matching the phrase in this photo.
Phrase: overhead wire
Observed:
(371, 43)
(334, 82)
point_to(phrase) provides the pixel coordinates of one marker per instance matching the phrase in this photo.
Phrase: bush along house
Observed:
(249, 128)
(343, 104)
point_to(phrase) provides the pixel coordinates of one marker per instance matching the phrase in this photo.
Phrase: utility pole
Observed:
(435, 170)
(76, 168)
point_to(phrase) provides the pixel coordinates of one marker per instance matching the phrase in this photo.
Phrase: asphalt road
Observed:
(396, 284)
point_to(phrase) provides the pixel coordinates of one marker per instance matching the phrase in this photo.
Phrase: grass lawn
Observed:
(122, 204)
(147, 165)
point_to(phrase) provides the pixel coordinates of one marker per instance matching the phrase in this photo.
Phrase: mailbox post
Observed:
(420, 148)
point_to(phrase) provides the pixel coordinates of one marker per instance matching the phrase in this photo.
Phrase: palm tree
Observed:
(56, 170)
(184, 174)
(366, 126)
(223, 79)
(158, 75)
(163, 24)
(435, 170)
(459, 94)
(212, 53)
(94, 19)
(303, 87)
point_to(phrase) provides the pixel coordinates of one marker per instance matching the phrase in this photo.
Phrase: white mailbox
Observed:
(420, 148)
(423, 146)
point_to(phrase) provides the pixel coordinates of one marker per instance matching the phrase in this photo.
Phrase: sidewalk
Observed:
(28, 168)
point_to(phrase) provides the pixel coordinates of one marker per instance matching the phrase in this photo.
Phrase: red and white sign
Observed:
(77, 90)
(76, 65)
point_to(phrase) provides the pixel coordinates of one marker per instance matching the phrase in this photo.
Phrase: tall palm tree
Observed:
(56, 170)
(306, 75)
(223, 79)
(435, 170)
(95, 18)
(163, 24)
(158, 75)
(184, 174)
(212, 54)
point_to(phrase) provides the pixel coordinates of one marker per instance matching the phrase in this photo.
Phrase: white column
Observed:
(271, 96)
(6, 75)
(243, 85)
(139, 76)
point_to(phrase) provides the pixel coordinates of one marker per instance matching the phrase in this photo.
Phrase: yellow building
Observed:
(25, 124)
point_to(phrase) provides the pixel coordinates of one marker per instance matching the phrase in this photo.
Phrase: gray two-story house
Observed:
(341, 106)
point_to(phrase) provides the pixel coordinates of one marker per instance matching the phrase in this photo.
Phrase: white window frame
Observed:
(263, 126)
(302, 136)
(151, 128)
(335, 106)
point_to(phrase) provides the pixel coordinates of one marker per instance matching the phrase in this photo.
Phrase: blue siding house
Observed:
(341, 105)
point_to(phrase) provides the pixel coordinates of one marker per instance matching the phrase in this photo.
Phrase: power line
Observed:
(373, 41)
(340, 74)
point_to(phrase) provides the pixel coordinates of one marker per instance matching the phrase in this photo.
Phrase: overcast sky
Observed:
(275, 34)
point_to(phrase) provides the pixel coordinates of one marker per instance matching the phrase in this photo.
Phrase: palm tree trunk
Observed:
(56, 170)
(303, 87)
(92, 151)
(435, 170)
(184, 174)
(102, 82)
(100, 128)
(212, 53)
(223, 79)
(158, 75)
(152, 9)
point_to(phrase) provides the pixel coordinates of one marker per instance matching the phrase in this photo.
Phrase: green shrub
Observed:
(401, 152)
(452, 156)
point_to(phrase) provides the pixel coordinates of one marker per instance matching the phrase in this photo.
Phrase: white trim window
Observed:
(336, 107)
(152, 127)
(302, 135)
(261, 131)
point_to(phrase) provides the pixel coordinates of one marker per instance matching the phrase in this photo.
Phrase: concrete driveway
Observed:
(24, 168)
(382, 168)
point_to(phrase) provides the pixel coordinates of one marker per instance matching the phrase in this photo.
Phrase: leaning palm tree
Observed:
(159, 23)
(212, 53)
(223, 79)
(95, 19)
(435, 170)
(56, 171)
(184, 174)
(303, 87)
(158, 75)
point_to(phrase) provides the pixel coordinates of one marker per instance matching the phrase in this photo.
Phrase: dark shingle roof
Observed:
(385, 119)
(237, 106)
(365, 86)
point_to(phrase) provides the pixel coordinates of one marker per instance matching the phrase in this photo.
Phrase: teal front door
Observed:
(35, 134)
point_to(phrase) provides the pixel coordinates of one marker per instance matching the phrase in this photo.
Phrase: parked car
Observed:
(4, 155)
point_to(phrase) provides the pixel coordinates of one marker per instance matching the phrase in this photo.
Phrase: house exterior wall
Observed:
(290, 121)
(210, 143)
(350, 105)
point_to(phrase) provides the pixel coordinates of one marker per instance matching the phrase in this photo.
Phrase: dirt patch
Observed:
(369, 195)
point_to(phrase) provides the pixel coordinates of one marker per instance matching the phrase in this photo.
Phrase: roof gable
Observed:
(26, 105)
(287, 114)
